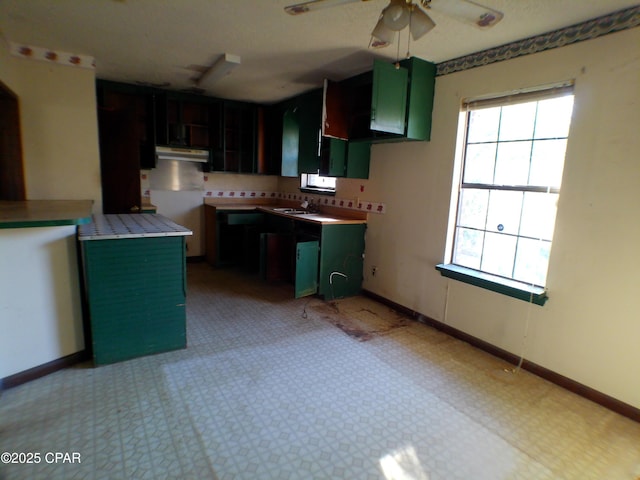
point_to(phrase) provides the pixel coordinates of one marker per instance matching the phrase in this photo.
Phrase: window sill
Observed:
(511, 288)
(318, 191)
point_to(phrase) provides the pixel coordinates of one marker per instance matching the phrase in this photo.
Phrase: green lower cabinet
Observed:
(306, 282)
(136, 292)
(341, 260)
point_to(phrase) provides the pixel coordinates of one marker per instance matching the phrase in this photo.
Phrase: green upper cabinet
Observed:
(389, 98)
(422, 77)
(290, 143)
(310, 118)
(389, 103)
(300, 134)
(333, 157)
(358, 156)
(339, 158)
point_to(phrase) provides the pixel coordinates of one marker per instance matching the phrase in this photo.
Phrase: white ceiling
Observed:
(172, 41)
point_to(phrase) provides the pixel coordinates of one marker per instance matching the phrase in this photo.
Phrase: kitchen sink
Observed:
(291, 211)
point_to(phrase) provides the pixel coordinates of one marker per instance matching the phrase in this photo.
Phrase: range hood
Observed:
(182, 154)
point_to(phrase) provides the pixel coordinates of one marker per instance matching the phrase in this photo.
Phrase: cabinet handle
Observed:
(373, 114)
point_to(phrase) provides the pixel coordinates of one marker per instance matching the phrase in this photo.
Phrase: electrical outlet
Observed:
(374, 269)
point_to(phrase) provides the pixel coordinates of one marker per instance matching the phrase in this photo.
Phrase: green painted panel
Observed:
(342, 247)
(389, 97)
(136, 292)
(306, 268)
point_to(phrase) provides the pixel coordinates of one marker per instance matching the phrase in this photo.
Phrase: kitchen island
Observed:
(40, 302)
(135, 278)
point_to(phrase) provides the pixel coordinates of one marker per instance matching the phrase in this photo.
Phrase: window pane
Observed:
(517, 121)
(539, 215)
(479, 163)
(554, 117)
(498, 254)
(547, 162)
(512, 164)
(505, 208)
(532, 261)
(483, 125)
(468, 248)
(473, 208)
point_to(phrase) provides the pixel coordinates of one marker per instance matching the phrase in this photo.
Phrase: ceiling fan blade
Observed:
(305, 7)
(468, 12)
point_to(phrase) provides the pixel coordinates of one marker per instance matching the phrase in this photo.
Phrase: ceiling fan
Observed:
(399, 14)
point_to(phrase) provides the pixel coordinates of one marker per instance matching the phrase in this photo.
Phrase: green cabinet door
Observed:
(337, 157)
(389, 98)
(290, 142)
(358, 156)
(422, 76)
(310, 119)
(341, 260)
(306, 282)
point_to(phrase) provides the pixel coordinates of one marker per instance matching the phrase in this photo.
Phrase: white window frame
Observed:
(316, 183)
(465, 270)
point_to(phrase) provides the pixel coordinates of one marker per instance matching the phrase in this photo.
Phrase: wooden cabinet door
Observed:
(389, 98)
(335, 111)
(119, 161)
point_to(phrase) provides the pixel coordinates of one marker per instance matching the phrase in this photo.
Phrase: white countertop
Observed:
(138, 225)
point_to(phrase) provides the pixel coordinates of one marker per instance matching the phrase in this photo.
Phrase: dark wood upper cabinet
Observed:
(119, 161)
(12, 185)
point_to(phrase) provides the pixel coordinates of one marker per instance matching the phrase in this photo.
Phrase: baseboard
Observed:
(584, 391)
(42, 370)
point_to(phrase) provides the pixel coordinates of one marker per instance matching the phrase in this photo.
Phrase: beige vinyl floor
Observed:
(270, 388)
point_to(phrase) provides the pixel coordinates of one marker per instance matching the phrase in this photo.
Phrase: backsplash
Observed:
(320, 200)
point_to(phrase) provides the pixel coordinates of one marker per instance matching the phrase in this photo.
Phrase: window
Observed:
(314, 183)
(512, 162)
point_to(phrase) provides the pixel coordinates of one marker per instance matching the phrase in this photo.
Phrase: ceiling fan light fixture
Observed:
(396, 15)
(420, 23)
(382, 34)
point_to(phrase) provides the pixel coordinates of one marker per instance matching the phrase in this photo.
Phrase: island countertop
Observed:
(44, 213)
(136, 225)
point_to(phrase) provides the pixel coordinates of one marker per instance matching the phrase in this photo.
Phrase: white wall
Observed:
(40, 313)
(589, 330)
(59, 128)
